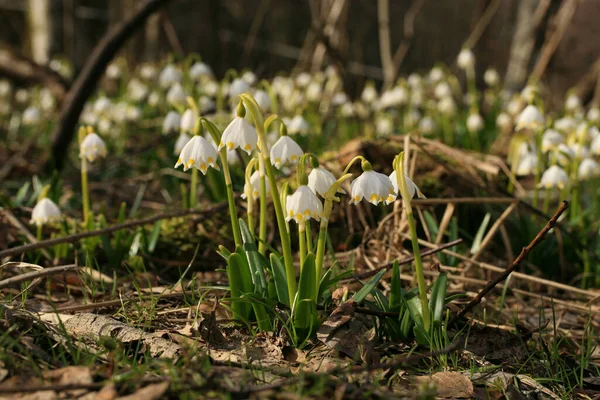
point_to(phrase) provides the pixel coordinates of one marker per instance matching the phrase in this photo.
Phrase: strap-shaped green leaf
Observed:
(437, 301)
(278, 270)
(235, 271)
(305, 307)
(256, 261)
(362, 294)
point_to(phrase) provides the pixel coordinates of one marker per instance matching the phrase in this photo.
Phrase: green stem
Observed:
(194, 188)
(546, 201)
(38, 235)
(85, 197)
(309, 244)
(418, 267)
(322, 240)
(262, 224)
(237, 237)
(302, 241)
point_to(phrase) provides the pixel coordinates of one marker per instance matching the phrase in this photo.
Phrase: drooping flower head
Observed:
(554, 176)
(410, 185)
(252, 187)
(373, 186)
(239, 133)
(465, 59)
(171, 122)
(303, 205)
(198, 153)
(530, 118)
(285, 150)
(44, 211)
(92, 147)
(320, 181)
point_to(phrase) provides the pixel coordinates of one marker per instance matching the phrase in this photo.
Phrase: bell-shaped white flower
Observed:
(442, 90)
(176, 95)
(263, 100)
(303, 205)
(188, 121)
(588, 169)
(384, 126)
(238, 86)
(298, 125)
(113, 71)
(249, 77)
(427, 125)
(32, 116)
(593, 115)
(474, 122)
(410, 185)
(564, 154)
(154, 99)
(239, 133)
(171, 122)
(436, 74)
(373, 186)
(284, 151)
(491, 77)
(529, 93)
(44, 211)
(206, 104)
(314, 91)
(180, 143)
(303, 79)
(579, 151)
(254, 187)
(504, 121)
(320, 181)
(369, 94)
(530, 118)
(92, 147)
(515, 106)
(565, 125)
(527, 165)
(551, 139)
(465, 59)
(554, 176)
(148, 72)
(137, 90)
(415, 81)
(169, 76)
(102, 105)
(5, 88)
(447, 106)
(198, 153)
(200, 70)
(573, 102)
(595, 146)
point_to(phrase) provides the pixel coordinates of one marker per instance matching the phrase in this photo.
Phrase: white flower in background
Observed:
(198, 153)
(414, 81)
(137, 90)
(105, 126)
(475, 122)
(465, 59)
(564, 154)
(384, 126)
(374, 187)
(551, 139)
(320, 181)
(239, 133)
(44, 211)
(527, 165)
(554, 176)
(491, 77)
(187, 122)
(436, 74)
(427, 125)
(593, 132)
(113, 71)
(133, 113)
(22, 96)
(263, 100)
(303, 79)
(283, 86)
(32, 116)
(102, 105)
(148, 72)
(255, 186)
(442, 90)
(92, 147)
(209, 88)
(298, 125)
(593, 114)
(5, 108)
(169, 76)
(200, 70)
(205, 104)
(339, 98)
(395, 97)
(595, 146)
(529, 93)
(285, 150)
(504, 121)
(118, 112)
(579, 151)
(588, 169)
(410, 185)
(180, 143)
(412, 118)
(154, 99)
(314, 91)
(303, 205)
(515, 106)
(447, 106)
(176, 95)
(417, 96)
(530, 118)
(369, 94)
(573, 102)
(347, 109)
(565, 124)
(583, 133)
(5, 88)
(249, 77)
(238, 86)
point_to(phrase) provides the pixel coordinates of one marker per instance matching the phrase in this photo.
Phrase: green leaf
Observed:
(223, 252)
(480, 233)
(437, 301)
(154, 235)
(360, 296)
(396, 288)
(256, 261)
(278, 270)
(235, 267)
(21, 194)
(305, 306)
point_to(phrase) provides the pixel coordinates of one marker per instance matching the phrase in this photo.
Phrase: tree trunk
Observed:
(40, 30)
(522, 46)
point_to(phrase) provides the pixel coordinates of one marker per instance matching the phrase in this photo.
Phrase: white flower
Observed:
(239, 133)
(579, 151)
(133, 113)
(303, 79)
(447, 106)
(113, 71)
(102, 105)
(171, 122)
(263, 100)
(504, 121)
(369, 94)
(92, 147)
(595, 146)
(414, 81)
(410, 185)
(588, 168)
(384, 126)
(249, 77)
(572, 103)
(491, 77)
(136, 90)
(320, 181)
(200, 70)
(565, 124)
(530, 118)
(198, 153)
(436, 74)
(465, 59)
(237, 87)
(285, 150)
(209, 88)
(148, 72)
(44, 211)
(303, 205)
(564, 154)
(554, 176)
(5, 88)
(528, 93)
(442, 90)
(374, 187)
(475, 122)
(298, 125)
(593, 114)
(347, 109)
(551, 139)
(427, 125)
(255, 186)
(187, 123)
(515, 106)
(527, 165)
(153, 99)
(180, 143)
(32, 116)
(176, 95)
(169, 76)
(314, 91)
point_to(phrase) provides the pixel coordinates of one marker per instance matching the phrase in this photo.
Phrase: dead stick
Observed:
(130, 224)
(491, 284)
(37, 274)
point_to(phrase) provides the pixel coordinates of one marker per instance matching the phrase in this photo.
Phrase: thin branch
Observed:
(37, 274)
(482, 23)
(491, 284)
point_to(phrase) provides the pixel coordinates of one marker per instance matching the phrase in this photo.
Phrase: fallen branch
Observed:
(93, 69)
(26, 72)
(130, 224)
(491, 284)
(37, 274)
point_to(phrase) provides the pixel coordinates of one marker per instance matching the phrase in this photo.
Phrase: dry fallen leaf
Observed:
(450, 385)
